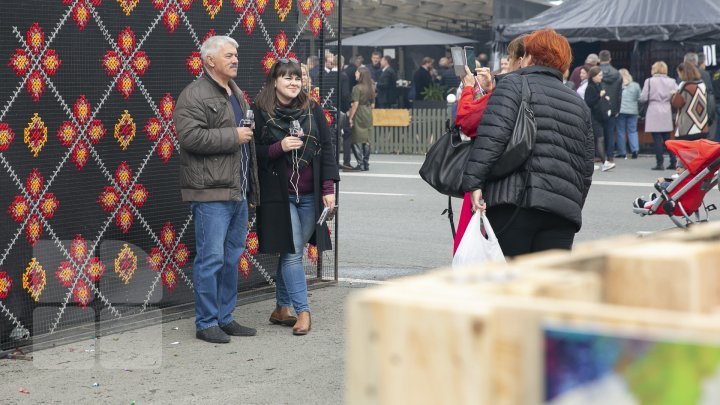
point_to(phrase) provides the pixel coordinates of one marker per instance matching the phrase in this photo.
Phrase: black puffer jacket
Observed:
(562, 162)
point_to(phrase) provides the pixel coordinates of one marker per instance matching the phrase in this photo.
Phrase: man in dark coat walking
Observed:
(612, 82)
(422, 78)
(386, 84)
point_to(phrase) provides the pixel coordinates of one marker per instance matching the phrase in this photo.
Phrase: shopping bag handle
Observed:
(485, 223)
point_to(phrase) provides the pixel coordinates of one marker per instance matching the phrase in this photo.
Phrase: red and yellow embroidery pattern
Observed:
(171, 16)
(81, 11)
(5, 285)
(68, 132)
(128, 5)
(20, 207)
(112, 62)
(194, 63)
(281, 48)
(34, 279)
(212, 7)
(6, 136)
(125, 130)
(156, 132)
(111, 197)
(252, 243)
(178, 257)
(35, 134)
(21, 61)
(82, 293)
(125, 264)
(312, 253)
(283, 7)
(244, 265)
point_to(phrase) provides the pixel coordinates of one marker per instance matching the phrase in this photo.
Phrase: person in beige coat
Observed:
(657, 91)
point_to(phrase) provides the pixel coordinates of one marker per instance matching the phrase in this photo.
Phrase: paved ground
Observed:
(390, 226)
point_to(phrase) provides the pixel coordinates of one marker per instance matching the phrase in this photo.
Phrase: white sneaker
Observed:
(597, 167)
(607, 166)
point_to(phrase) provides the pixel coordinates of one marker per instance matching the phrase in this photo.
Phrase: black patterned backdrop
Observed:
(91, 222)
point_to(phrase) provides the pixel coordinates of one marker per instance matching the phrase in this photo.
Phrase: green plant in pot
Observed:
(434, 92)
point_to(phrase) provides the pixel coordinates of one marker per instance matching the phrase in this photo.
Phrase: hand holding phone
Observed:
(469, 53)
(327, 214)
(458, 56)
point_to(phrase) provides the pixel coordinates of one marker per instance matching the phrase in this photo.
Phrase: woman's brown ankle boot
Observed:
(302, 327)
(282, 316)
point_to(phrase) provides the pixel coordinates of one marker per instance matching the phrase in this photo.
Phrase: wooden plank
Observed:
(667, 275)
(391, 117)
(673, 271)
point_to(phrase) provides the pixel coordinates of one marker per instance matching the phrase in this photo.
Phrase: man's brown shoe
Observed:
(281, 316)
(302, 327)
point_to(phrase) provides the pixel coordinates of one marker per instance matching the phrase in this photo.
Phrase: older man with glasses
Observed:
(218, 176)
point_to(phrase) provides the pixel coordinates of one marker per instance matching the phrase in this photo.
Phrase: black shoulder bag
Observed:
(522, 140)
(643, 105)
(445, 161)
(444, 165)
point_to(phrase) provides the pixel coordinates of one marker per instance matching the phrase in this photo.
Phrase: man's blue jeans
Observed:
(290, 282)
(627, 126)
(220, 231)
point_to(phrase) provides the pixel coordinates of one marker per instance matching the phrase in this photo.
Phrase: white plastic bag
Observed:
(474, 248)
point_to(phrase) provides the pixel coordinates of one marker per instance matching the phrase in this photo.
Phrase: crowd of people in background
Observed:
(680, 107)
(680, 104)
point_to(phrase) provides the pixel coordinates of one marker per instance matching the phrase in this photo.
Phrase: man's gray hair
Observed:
(691, 57)
(213, 44)
(592, 59)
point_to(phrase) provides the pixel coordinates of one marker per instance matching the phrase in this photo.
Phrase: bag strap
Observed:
(449, 212)
(525, 90)
(526, 99)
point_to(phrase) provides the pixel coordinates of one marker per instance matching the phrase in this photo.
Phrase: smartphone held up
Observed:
(463, 56)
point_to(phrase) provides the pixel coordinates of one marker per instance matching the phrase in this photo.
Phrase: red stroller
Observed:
(683, 197)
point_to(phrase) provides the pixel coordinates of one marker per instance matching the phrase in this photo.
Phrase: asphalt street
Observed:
(391, 224)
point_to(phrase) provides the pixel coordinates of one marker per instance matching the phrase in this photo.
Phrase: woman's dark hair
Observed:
(516, 47)
(366, 82)
(594, 71)
(688, 72)
(267, 100)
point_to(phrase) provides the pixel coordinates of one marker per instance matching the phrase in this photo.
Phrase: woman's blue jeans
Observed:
(220, 231)
(627, 126)
(290, 282)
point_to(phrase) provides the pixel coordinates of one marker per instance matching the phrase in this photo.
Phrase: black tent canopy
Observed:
(625, 20)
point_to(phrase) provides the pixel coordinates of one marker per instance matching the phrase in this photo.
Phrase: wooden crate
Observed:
(447, 344)
(676, 270)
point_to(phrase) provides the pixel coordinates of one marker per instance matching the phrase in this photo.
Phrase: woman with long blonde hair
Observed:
(627, 120)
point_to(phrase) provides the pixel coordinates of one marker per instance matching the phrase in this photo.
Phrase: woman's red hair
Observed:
(548, 48)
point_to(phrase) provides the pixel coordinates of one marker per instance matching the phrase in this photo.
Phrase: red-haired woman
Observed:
(539, 206)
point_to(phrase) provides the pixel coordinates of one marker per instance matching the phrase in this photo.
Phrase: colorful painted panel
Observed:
(592, 367)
